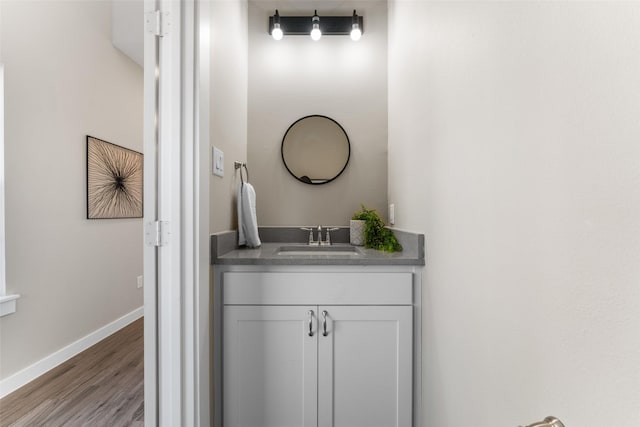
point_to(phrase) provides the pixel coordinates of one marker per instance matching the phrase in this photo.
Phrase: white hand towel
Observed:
(247, 223)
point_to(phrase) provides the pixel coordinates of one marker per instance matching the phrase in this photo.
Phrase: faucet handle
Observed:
(310, 230)
(328, 239)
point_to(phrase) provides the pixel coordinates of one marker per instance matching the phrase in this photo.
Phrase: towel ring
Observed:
(240, 165)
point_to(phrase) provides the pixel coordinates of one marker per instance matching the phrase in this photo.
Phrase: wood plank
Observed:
(103, 385)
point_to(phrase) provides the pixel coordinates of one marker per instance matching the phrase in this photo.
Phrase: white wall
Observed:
(514, 141)
(228, 105)
(64, 80)
(127, 28)
(335, 77)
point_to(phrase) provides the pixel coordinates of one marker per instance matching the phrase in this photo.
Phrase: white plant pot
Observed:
(356, 232)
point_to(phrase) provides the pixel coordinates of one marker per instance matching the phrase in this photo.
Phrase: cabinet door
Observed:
(364, 366)
(269, 366)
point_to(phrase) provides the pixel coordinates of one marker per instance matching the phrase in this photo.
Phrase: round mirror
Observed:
(315, 149)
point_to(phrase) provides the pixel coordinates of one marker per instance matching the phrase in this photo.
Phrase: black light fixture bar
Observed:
(329, 25)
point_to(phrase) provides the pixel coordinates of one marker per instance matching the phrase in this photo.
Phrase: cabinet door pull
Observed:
(324, 323)
(310, 323)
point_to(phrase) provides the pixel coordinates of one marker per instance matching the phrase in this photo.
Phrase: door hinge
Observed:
(157, 233)
(158, 23)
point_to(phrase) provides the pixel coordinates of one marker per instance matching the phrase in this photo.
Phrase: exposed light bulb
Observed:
(277, 33)
(316, 34)
(315, 30)
(355, 32)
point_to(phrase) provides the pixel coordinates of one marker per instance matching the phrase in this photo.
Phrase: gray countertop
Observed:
(224, 249)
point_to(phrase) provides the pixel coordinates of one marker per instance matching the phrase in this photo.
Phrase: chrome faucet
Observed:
(327, 241)
(311, 241)
(319, 241)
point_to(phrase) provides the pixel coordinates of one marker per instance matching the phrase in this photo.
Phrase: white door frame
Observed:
(176, 202)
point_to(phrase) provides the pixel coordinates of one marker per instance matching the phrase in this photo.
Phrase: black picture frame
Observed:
(114, 180)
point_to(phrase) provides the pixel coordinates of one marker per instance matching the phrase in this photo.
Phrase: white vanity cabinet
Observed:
(364, 367)
(270, 367)
(317, 349)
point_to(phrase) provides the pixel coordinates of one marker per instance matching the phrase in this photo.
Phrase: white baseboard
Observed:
(30, 373)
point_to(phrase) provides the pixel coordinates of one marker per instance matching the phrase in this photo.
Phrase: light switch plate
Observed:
(218, 162)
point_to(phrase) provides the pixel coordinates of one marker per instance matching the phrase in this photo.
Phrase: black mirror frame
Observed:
(345, 163)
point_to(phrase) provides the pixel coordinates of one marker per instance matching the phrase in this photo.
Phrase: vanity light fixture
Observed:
(316, 26)
(276, 31)
(356, 33)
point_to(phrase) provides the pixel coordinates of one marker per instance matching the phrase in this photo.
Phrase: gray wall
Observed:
(228, 121)
(514, 144)
(336, 77)
(63, 80)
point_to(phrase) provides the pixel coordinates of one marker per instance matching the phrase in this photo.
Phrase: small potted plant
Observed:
(373, 233)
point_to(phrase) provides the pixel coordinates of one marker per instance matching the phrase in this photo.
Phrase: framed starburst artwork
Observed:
(114, 181)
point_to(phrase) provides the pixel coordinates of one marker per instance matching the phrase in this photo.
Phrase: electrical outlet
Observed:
(140, 281)
(392, 214)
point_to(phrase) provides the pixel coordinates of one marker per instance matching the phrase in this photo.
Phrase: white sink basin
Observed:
(302, 250)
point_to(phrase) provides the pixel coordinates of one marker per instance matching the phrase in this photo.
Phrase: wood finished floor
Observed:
(102, 386)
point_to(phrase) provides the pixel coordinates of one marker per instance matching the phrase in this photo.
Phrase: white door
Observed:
(270, 366)
(364, 366)
(176, 214)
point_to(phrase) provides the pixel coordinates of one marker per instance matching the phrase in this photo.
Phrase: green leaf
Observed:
(376, 235)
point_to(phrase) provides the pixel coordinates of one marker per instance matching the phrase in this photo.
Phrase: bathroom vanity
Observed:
(316, 338)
